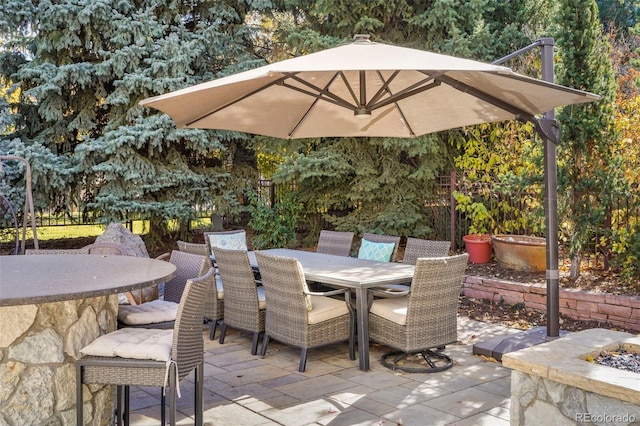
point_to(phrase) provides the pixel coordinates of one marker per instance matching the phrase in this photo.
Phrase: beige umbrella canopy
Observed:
(373, 89)
(364, 89)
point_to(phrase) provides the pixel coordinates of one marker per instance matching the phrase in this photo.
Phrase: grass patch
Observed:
(57, 232)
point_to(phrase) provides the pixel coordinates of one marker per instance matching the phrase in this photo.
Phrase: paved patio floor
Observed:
(244, 389)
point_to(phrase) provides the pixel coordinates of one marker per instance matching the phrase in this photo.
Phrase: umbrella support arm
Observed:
(549, 129)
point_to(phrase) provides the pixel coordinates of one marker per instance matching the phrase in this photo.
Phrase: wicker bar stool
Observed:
(186, 354)
(188, 266)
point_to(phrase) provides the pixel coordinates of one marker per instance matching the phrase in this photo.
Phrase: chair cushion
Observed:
(394, 309)
(235, 241)
(325, 308)
(148, 313)
(262, 300)
(135, 343)
(380, 252)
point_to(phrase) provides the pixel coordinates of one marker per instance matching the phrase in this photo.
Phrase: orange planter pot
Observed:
(478, 247)
(521, 252)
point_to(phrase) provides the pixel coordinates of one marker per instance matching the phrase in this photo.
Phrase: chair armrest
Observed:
(347, 296)
(326, 293)
(164, 256)
(388, 292)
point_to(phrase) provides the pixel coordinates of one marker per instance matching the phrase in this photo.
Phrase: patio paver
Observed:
(244, 389)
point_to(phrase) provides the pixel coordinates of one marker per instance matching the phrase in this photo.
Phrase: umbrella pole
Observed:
(548, 128)
(551, 202)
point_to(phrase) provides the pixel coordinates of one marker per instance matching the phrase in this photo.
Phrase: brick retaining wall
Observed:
(619, 311)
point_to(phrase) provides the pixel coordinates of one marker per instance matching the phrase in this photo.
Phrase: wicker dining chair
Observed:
(379, 238)
(422, 320)
(214, 309)
(188, 266)
(244, 301)
(298, 317)
(418, 247)
(194, 248)
(335, 242)
(186, 355)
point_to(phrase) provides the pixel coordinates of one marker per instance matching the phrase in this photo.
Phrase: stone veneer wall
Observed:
(537, 400)
(619, 311)
(39, 345)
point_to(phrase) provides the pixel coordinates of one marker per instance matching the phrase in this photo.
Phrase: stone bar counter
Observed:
(50, 307)
(555, 383)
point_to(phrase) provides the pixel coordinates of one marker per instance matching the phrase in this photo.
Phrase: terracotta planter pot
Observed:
(521, 252)
(478, 247)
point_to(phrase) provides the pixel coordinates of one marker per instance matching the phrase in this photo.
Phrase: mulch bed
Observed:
(517, 316)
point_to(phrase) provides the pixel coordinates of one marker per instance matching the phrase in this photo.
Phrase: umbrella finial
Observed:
(361, 38)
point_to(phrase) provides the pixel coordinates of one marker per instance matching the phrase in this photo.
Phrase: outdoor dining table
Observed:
(356, 274)
(50, 307)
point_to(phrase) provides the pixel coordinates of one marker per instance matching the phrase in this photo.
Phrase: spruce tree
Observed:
(78, 79)
(380, 185)
(589, 170)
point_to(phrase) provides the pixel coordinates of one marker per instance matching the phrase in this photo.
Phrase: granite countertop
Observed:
(36, 279)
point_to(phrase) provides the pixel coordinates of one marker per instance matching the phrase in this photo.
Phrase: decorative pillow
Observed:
(135, 343)
(234, 241)
(148, 313)
(380, 252)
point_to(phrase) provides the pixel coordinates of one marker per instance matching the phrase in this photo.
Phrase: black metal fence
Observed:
(513, 212)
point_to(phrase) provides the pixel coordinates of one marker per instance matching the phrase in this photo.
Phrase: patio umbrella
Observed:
(364, 89)
(373, 89)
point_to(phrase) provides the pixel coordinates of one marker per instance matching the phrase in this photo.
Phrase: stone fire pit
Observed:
(553, 383)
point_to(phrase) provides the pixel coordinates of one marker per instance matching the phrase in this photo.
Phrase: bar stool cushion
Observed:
(135, 343)
(148, 313)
